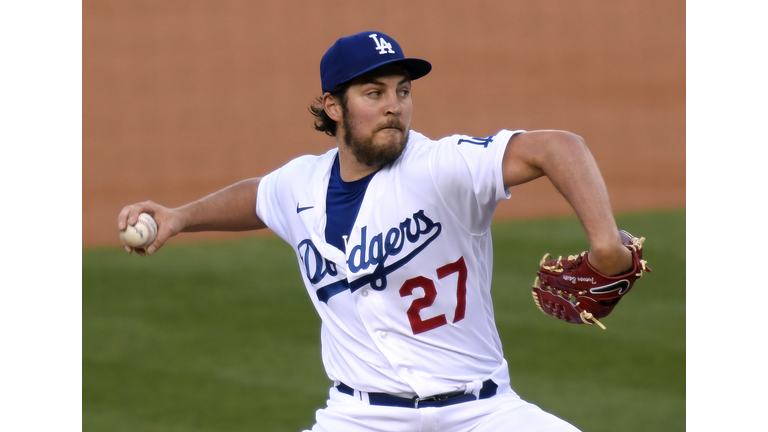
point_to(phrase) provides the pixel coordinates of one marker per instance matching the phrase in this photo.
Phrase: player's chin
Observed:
(382, 153)
(391, 149)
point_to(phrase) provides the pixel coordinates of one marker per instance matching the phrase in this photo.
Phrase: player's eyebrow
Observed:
(377, 80)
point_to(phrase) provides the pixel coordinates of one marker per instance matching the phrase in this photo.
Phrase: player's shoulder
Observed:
(301, 171)
(307, 165)
(419, 144)
(417, 140)
(500, 137)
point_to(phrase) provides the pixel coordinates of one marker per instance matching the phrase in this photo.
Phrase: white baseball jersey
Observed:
(407, 308)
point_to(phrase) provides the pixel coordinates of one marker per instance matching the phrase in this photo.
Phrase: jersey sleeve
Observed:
(269, 207)
(468, 173)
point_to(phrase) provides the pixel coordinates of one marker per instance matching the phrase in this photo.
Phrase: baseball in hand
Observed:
(142, 234)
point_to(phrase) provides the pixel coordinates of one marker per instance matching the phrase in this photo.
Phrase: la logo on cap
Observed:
(352, 56)
(383, 46)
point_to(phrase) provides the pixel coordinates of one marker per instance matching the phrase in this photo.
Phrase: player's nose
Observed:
(393, 104)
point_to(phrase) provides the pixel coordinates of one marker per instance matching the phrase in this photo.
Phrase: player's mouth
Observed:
(391, 127)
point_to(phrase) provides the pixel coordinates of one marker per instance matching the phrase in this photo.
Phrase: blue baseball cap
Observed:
(352, 56)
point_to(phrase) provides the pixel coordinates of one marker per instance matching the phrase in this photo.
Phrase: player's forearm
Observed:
(230, 209)
(569, 165)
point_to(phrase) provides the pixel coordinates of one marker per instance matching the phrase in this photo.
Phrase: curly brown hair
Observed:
(323, 123)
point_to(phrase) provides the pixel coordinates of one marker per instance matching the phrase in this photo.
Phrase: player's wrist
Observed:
(181, 219)
(612, 260)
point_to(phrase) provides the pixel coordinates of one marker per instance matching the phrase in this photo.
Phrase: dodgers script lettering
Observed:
(378, 251)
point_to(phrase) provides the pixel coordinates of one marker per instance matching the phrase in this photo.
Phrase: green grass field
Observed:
(221, 336)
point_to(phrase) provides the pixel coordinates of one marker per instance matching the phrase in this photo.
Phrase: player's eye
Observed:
(405, 93)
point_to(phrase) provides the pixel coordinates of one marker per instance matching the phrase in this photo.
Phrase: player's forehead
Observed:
(398, 73)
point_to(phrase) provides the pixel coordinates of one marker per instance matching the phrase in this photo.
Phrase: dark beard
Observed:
(364, 149)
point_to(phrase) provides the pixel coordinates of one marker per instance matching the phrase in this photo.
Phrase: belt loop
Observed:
(363, 396)
(474, 387)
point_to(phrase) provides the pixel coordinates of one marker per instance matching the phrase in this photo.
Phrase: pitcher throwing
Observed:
(391, 231)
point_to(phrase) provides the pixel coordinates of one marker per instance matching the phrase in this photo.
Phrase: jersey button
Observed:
(383, 335)
(410, 371)
(364, 293)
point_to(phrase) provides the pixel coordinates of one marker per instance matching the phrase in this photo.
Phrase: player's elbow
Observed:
(568, 141)
(555, 144)
(560, 149)
(532, 154)
(560, 145)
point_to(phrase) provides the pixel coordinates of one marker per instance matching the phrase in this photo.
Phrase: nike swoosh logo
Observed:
(621, 286)
(301, 209)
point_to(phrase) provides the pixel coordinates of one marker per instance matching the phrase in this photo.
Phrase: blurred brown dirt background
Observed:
(184, 97)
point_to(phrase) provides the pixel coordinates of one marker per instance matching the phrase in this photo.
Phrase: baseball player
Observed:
(391, 231)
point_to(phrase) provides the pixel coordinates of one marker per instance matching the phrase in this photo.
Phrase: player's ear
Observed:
(332, 107)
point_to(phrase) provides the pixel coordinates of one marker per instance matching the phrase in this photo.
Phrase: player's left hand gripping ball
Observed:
(573, 291)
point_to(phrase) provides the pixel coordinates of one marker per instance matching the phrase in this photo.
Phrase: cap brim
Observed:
(417, 68)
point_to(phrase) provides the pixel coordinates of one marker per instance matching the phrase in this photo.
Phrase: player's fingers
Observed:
(167, 227)
(166, 219)
(163, 233)
(129, 216)
(122, 224)
(139, 208)
(126, 247)
(122, 218)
